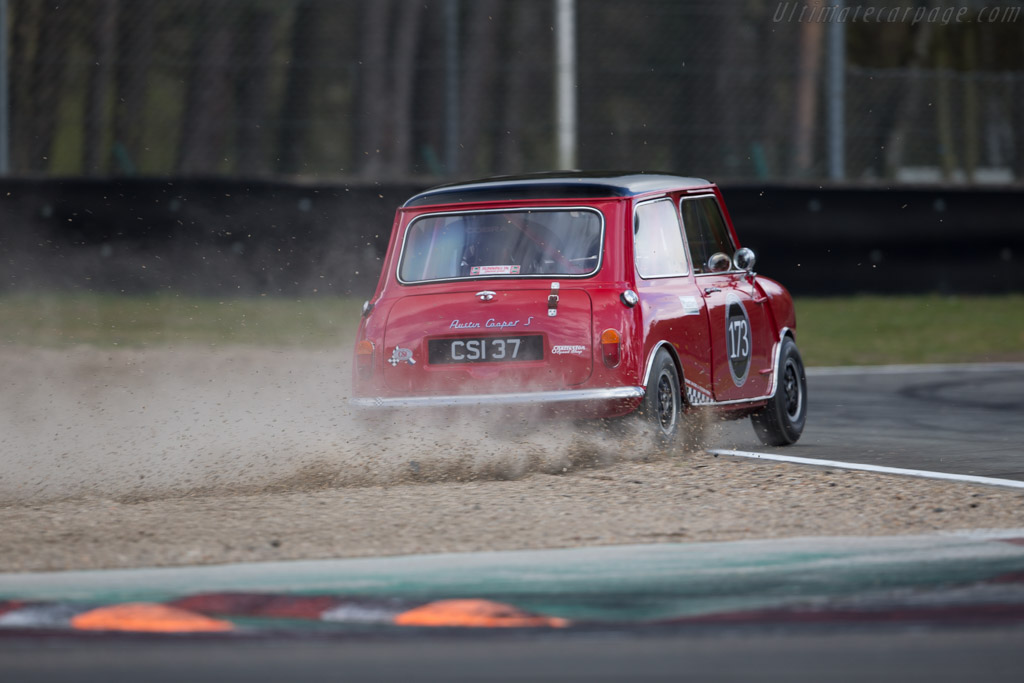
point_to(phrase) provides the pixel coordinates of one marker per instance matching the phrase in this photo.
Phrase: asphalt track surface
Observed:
(962, 419)
(812, 655)
(959, 419)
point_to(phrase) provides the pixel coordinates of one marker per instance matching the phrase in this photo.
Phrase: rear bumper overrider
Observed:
(536, 398)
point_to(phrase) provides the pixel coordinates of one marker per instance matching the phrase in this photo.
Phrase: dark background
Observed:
(233, 237)
(398, 89)
(254, 147)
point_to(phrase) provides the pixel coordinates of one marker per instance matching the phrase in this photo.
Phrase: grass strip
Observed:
(862, 330)
(61, 320)
(878, 330)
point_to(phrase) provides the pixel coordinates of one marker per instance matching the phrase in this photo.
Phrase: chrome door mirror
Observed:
(744, 259)
(718, 263)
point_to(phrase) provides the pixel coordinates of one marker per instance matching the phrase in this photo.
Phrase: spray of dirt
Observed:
(151, 423)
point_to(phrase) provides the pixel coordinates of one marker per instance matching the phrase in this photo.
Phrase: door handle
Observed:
(711, 290)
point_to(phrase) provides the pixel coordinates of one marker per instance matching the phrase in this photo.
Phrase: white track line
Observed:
(914, 369)
(991, 481)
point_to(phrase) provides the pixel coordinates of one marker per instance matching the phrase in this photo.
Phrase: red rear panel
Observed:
(488, 340)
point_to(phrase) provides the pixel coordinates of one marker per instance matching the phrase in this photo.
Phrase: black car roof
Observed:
(553, 186)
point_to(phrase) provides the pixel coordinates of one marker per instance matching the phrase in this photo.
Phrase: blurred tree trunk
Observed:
(374, 114)
(48, 70)
(944, 106)
(295, 111)
(805, 121)
(104, 41)
(906, 111)
(26, 18)
(136, 29)
(971, 122)
(206, 102)
(731, 79)
(1017, 113)
(406, 47)
(257, 46)
(774, 109)
(996, 130)
(526, 28)
(1007, 139)
(429, 96)
(888, 43)
(478, 60)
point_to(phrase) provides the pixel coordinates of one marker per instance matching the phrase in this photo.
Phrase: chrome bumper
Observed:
(518, 399)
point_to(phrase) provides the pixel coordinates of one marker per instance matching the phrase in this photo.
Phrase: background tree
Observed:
(476, 109)
(251, 75)
(207, 102)
(136, 31)
(723, 88)
(101, 86)
(291, 137)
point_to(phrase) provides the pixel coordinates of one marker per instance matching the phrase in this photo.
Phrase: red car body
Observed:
(567, 291)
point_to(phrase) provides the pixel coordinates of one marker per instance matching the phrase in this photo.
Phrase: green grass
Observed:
(862, 330)
(59, 320)
(872, 330)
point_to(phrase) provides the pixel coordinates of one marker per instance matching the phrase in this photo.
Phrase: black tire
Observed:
(781, 422)
(662, 409)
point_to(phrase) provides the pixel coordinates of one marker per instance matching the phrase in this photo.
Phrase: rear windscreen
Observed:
(490, 244)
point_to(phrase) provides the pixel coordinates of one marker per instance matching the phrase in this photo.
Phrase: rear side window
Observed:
(489, 244)
(706, 232)
(658, 241)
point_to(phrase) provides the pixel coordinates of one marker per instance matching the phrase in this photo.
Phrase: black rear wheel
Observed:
(781, 422)
(661, 411)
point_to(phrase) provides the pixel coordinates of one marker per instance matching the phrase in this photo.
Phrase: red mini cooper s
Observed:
(589, 295)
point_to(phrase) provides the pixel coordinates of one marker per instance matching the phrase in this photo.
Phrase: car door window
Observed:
(657, 241)
(706, 231)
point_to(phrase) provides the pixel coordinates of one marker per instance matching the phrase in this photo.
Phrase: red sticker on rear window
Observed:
(494, 270)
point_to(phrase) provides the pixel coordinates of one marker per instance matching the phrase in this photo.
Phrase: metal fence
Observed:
(399, 89)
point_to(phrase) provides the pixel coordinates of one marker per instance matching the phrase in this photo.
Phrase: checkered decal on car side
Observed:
(697, 396)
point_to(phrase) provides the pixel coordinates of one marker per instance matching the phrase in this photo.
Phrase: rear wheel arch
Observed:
(649, 366)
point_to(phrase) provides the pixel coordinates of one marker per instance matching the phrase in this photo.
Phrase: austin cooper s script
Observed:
(584, 295)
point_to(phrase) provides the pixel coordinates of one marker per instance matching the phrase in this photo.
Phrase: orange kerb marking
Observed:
(149, 617)
(475, 614)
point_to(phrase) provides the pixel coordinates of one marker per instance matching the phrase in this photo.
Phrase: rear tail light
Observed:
(364, 358)
(610, 342)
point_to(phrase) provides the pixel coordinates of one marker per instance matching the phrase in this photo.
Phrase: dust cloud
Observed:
(150, 423)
